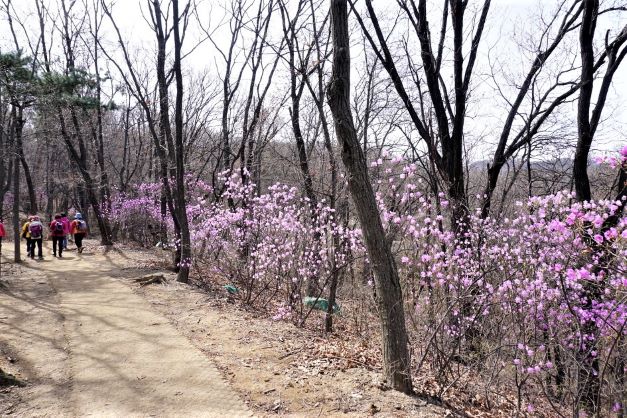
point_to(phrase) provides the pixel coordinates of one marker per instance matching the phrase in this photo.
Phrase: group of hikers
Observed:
(60, 227)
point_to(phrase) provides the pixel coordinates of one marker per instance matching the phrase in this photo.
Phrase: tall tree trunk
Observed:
(105, 192)
(584, 129)
(6, 160)
(589, 368)
(396, 359)
(166, 148)
(16, 210)
(588, 118)
(32, 196)
(49, 186)
(5, 181)
(17, 132)
(186, 251)
(334, 219)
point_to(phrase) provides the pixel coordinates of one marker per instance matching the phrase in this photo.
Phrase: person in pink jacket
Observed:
(2, 234)
(2, 231)
(66, 229)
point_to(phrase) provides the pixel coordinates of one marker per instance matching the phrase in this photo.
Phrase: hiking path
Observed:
(98, 349)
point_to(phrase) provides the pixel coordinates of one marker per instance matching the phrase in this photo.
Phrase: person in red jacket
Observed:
(58, 234)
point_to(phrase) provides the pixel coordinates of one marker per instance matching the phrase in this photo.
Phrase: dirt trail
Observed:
(88, 341)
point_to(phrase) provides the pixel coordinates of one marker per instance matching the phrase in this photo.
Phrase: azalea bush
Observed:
(136, 215)
(269, 245)
(537, 299)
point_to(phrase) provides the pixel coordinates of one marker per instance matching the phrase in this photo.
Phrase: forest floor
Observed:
(87, 340)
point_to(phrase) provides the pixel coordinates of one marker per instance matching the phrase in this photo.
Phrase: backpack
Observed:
(58, 227)
(81, 226)
(35, 229)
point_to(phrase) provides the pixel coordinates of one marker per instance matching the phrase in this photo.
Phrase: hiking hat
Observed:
(78, 215)
(35, 218)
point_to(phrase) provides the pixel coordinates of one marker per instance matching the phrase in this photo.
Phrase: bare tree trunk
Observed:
(6, 162)
(49, 186)
(167, 160)
(587, 123)
(105, 193)
(17, 132)
(181, 204)
(389, 294)
(587, 118)
(580, 163)
(32, 197)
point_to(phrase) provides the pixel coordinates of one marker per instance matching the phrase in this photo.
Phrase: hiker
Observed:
(66, 229)
(56, 230)
(79, 230)
(36, 231)
(2, 232)
(26, 235)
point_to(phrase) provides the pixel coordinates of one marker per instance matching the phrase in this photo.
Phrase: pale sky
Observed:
(509, 21)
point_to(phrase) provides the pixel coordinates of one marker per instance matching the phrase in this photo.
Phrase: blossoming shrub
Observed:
(136, 215)
(531, 298)
(268, 245)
